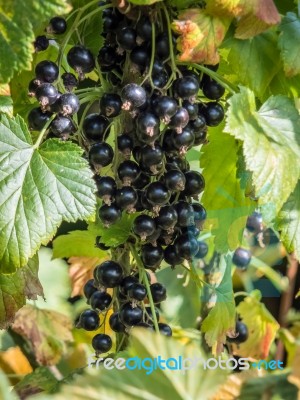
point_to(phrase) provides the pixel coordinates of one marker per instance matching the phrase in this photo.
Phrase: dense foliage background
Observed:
(251, 162)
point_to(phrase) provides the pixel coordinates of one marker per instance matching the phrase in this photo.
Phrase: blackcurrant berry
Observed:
(184, 140)
(101, 155)
(89, 320)
(68, 104)
(144, 226)
(69, 80)
(57, 25)
(102, 343)
(81, 60)
(241, 258)
(108, 274)
(109, 214)
(194, 183)
(157, 194)
(32, 87)
(37, 119)
(46, 71)
(133, 96)
(107, 57)
(242, 333)
(137, 292)
(198, 124)
(151, 155)
(200, 137)
(95, 126)
(130, 315)
(115, 323)
(110, 105)
(165, 107)
(213, 113)
(149, 315)
(212, 89)
(202, 249)
(162, 46)
(186, 87)
(147, 123)
(192, 109)
(160, 79)
(200, 214)
(164, 329)
(46, 94)
(144, 28)
(41, 43)
(179, 120)
(89, 289)
(126, 283)
(107, 187)
(62, 127)
(171, 257)
(187, 246)
(151, 255)
(185, 213)
(140, 56)
(100, 300)
(255, 223)
(167, 218)
(158, 292)
(125, 144)
(128, 171)
(126, 198)
(175, 180)
(126, 38)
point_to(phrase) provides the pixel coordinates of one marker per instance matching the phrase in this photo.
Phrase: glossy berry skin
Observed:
(133, 96)
(162, 46)
(200, 137)
(95, 126)
(109, 214)
(46, 71)
(164, 329)
(187, 246)
(213, 113)
(107, 57)
(151, 255)
(108, 274)
(179, 120)
(100, 300)
(128, 171)
(41, 43)
(32, 87)
(241, 258)
(89, 320)
(157, 194)
(255, 223)
(46, 94)
(126, 198)
(192, 109)
(140, 56)
(144, 226)
(102, 343)
(126, 283)
(101, 154)
(198, 124)
(137, 292)
(62, 126)
(58, 25)
(89, 289)
(37, 119)
(199, 213)
(126, 38)
(160, 79)
(242, 333)
(167, 218)
(184, 140)
(202, 249)
(125, 144)
(130, 315)
(115, 323)
(159, 292)
(175, 180)
(171, 257)
(148, 124)
(151, 155)
(194, 184)
(212, 89)
(81, 59)
(68, 104)
(144, 28)
(165, 107)
(186, 87)
(110, 105)
(185, 213)
(107, 187)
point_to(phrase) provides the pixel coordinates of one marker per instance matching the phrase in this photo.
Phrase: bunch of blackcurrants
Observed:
(159, 110)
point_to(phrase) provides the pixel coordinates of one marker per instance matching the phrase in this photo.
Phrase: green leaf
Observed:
(220, 320)
(40, 380)
(91, 34)
(117, 233)
(279, 281)
(262, 51)
(77, 244)
(15, 288)
(182, 296)
(6, 105)
(39, 188)
(5, 392)
(289, 43)
(224, 197)
(196, 383)
(288, 222)
(271, 144)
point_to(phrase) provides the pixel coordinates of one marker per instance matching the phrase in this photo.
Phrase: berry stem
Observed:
(43, 132)
(173, 63)
(146, 283)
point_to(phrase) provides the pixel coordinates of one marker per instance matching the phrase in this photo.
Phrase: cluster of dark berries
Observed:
(130, 298)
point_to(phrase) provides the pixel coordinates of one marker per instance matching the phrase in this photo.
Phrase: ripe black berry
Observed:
(241, 258)
(58, 25)
(212, 89)
(32, 87)
(194, 183)
(187, 246)
(144, 28)
(130, 315)
(198, 124)
(133, 96)
(126, 38)
(107, 187)
(167, 218)
(157, 194)
(148, 124)
(158, 292)
(165, 107)
(186, 87)
(213, 113)
(242, 333)
(110, 105)
(144, 226)
(109, 214)
(101, 155)
(175, 180)
(151, 155)
(140, 56)
(107, 57)
(179, 120)
(128, 171)
(94, 127)
(125, 144)
(46, 94)
(126, 198)
(100, 300)
(192, 109)
(69, 80)
(137, 292)
(151, 255)
(46, 71)
(41, 43)
(162, 46)
(81, 60)
(171, 257)
(164, 329)
(37, 119)
(62, 126)
(89, 289)
(115, 323)
(184, 140)
(68, 104)
(199, 214)
(108, 274)
(255, 223)
(89, 320)
(185, 213)
(126, 283)
(202, 250)
(102, 343)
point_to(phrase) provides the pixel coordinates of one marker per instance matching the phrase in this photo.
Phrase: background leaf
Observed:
(288, 43)
(40, 188)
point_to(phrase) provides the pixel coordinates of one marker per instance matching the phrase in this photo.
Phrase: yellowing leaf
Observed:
(261, 325)
(200, 36)
(14, 362)
(47, 332)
